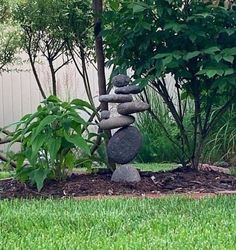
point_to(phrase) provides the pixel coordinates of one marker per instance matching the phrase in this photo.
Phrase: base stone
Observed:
(124, 145)
(126, 173)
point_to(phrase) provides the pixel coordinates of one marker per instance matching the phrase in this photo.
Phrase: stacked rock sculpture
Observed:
(124, 145)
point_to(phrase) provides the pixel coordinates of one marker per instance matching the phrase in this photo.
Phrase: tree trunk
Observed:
(32, 63)
(197, 153)
(53, 76)
(97, 10)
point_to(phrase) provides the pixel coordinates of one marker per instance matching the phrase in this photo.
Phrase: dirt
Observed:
(178, 181)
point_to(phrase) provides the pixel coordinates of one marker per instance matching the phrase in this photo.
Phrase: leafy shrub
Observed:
(194, 42)
(49, 139)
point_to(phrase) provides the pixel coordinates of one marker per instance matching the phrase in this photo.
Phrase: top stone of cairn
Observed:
(120, 81)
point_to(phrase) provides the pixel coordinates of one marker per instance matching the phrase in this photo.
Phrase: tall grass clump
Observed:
(221, 145)
(156, 146)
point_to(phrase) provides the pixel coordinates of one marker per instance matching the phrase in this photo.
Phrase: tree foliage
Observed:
(54, 30)
(9, 36)
(195, 42)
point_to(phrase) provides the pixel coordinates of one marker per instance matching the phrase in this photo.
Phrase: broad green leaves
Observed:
(162, 35)
(138, 7)
(49, 138)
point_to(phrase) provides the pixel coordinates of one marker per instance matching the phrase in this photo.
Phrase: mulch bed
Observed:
(178, 181)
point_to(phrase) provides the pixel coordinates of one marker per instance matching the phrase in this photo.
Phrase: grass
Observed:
(168, 223)
(142, 166)
(156, 166)
(6, 174)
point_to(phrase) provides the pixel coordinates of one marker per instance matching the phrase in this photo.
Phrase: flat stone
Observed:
(126, 173)
(116, 122)
(120, 80)
(132, 107)
(124, 145)
(105, 114)
(130, 89)
(113, 98)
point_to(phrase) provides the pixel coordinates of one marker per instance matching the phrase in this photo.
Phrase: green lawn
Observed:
(5, 174)
(142, 166)
(156, 166)
(168, 223)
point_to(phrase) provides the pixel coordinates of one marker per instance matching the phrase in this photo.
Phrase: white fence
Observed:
(19, 93)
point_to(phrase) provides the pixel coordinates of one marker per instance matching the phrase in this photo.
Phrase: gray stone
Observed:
(105, 114)
(113, 98)
(124, 145)
(131, 89)
(132, 107)
(116, 122)
(120, 80)
(126, 173)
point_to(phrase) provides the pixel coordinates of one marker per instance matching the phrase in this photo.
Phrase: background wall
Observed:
(19, 93)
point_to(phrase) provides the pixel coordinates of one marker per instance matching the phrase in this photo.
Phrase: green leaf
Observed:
(78, 141)
(70, 160)
(229, 51)
(20, 158)
(211, 50)
(211, 72)
(80, 103)
(78, 119)
(191, 55)
(137, 8)
(228, 72)
(37, 144)
(38, 176)
(167, 60)
(218, 57)
(184, 95)
(161, 55)
(54, 145)
(114, 4)
(228, 59)
(53, 99)
(146, 25)
(46, 121)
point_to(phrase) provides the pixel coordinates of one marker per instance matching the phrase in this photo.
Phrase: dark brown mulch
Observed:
(82, 185)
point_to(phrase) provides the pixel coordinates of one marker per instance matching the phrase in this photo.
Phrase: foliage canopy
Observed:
(193, 41)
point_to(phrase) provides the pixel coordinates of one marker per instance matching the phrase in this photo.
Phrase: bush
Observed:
(50, 138)
(194, 42)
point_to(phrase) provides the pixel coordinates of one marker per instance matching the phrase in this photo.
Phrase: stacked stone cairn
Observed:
(124, 145)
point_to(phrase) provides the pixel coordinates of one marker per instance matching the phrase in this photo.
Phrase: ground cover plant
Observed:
(168, 223)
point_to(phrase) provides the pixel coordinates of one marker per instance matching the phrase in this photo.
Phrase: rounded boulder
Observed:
(124, 145)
